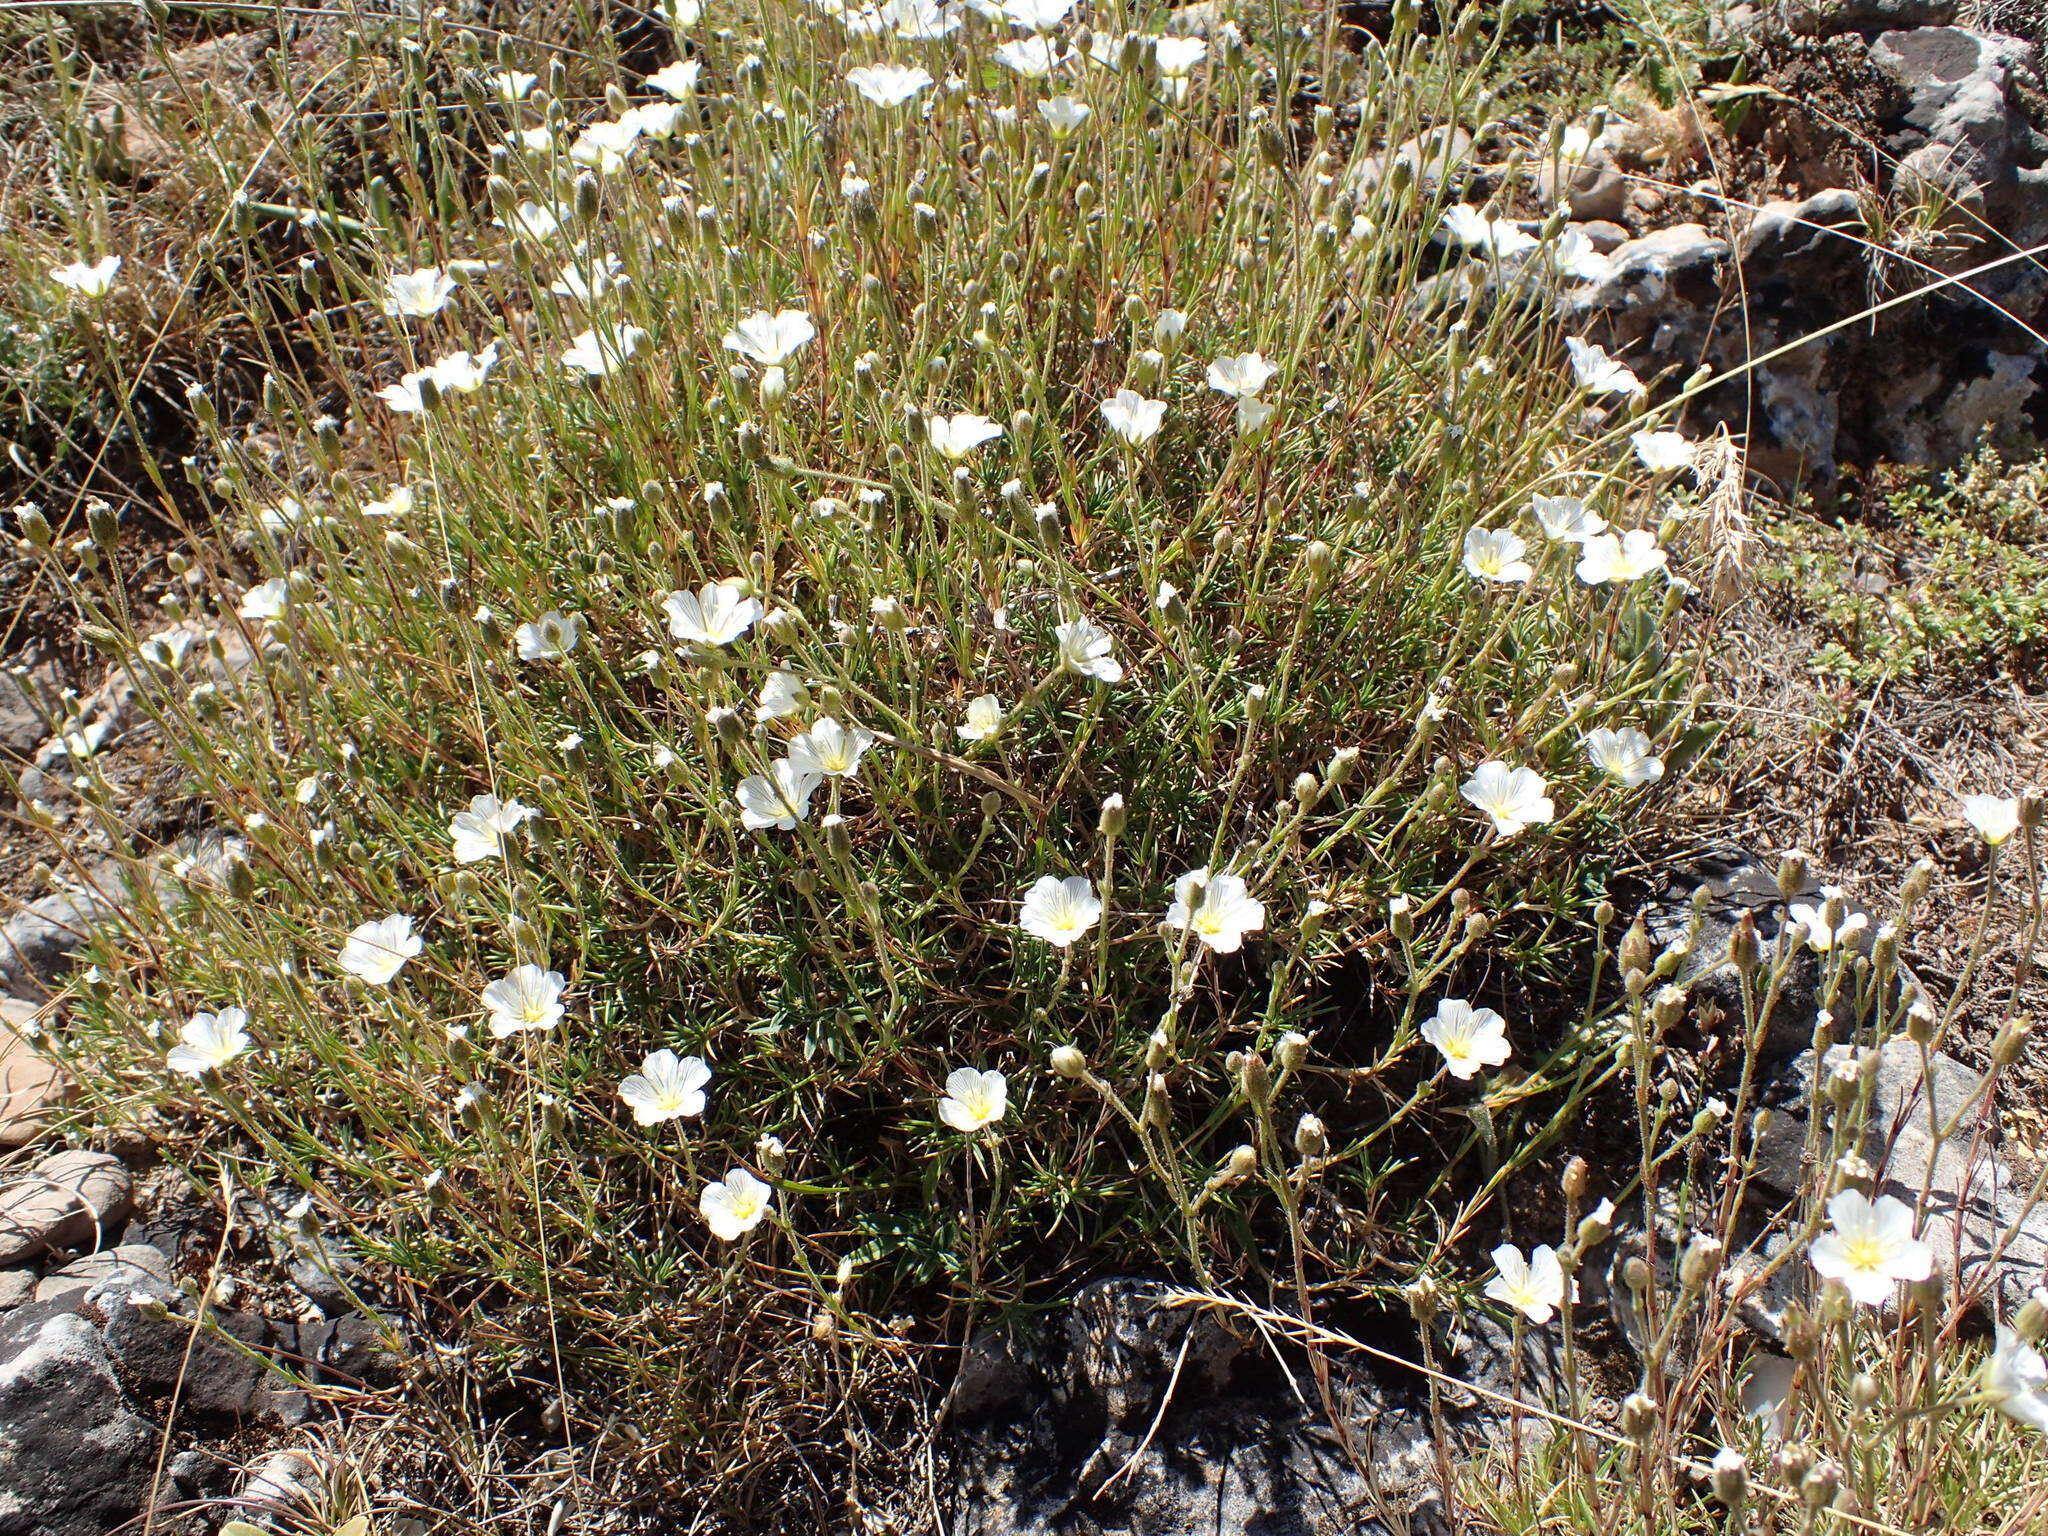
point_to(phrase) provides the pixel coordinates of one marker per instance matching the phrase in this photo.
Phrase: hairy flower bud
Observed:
(1311, 1137)
(1069, 1063)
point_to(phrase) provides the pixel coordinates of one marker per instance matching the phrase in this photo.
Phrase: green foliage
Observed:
(1952, 579)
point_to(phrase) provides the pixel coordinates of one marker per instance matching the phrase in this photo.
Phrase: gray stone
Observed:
(73, 1460)
(1606, 236)
(16, 1287)
(1825, 18)
(1136, 1416)
(38, 940)
(68, 1200)
(126, 1267)
(1737, 883)
(1592, 187)
(1433, 158)
(287, 1483)
(1985, 1231)
(157, 1353)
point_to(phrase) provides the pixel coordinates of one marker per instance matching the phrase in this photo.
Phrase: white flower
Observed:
(586, 281)
(415, 295)
(1037, 15)
(1495, 554)
(829, 749)
(1132, 417)
(681, 14)
(888, 85)
(984, 718)
(1242, 376)
(771, 340)
(1577, 256)
(1060, 911)
(1032, 57)
(1821, 935)
(1566, 518)
(2015, 1380)
(783, 694)
(1221, 915)
(396, 503)
(266, 601)
(1468, 1037)
(1533, 1286)
(377, 950)
(1252, 415)
(209, 1041)
(735, 1205)
(1604, 558)
(666, 1087)
(958, 436)
(715, 614)
(678, 80)
(1663, 451)
(921, 19)
(479, 833)
(1467, 226)
(535, 221)
(654, 119)
(510, 85)
(1869, 1246)
(524, 998)
(598, 354)
(1995, 817)
(1513, 798)
(605, 147)
(93, 280)
(780, 802)
(1063, 114)
(1599, 374)
(1085, 650)
(1624, 756)
(551, 636)
(1176, 58)
(974, 1100)
(455, 373)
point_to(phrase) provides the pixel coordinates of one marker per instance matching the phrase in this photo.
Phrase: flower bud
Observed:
(1425, 1298)
(1156, 1112)
(1700, 1263)
(1730, 1477)
(2031, 1321)
(1291, 1051)
(1069, 1063)
(1113, 818)
(1639, 1415)
(1636, 954)
(1254, 1081)
(1745, 948)
(1311, 1137)
(1401, 918)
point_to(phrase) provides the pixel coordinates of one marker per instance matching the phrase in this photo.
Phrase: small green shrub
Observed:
(596, 534)
(1952, 580)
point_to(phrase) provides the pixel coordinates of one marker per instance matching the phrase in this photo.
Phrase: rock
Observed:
(1643, 275)
(30, 1083)
(128, 1266)
(349, 1351)
(1604, 234)
(1736, 882)
(152, 1355)
(1789, 231)
(1438, 156)
(73, 1460)
(16, 1287)
(1592, 187)
(1132, 1415)
(36, 942)
(287, 1483)
(1824, 18)
(1974, 1203)
(68, 1200)
(22, 724)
